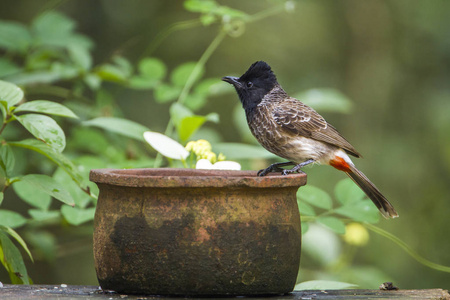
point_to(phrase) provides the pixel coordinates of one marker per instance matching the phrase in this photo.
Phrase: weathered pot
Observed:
(196, 232)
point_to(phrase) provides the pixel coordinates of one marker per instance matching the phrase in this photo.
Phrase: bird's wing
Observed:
(300, 119)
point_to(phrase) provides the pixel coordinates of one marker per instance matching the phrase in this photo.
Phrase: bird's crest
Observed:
(259, 69)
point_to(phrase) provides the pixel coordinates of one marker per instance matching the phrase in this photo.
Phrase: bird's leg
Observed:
(298, 167)
(275, 168)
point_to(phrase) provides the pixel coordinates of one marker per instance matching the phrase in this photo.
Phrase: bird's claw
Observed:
(262, 172)
(270, 169)
(287, 172)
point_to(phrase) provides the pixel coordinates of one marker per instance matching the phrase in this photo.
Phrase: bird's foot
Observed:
(291, 171)
(274, 168)
(297, 168)
(268, 170)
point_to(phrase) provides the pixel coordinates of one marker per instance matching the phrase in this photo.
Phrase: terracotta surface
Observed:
(196, 232)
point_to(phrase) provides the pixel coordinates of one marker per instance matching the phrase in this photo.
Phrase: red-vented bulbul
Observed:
(294, 131)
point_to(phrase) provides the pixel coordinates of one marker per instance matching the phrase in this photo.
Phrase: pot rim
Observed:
(176, 178)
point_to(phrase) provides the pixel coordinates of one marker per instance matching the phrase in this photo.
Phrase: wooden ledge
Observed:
(12, 291)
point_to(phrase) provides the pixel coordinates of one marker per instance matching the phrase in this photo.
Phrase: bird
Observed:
(294, 131)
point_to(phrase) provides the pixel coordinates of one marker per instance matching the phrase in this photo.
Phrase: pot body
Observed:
(181, 232)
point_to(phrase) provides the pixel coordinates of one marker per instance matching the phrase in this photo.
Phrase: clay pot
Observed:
(196, 232)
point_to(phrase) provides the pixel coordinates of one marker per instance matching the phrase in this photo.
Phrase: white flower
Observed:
(220, 165)
(165, 145)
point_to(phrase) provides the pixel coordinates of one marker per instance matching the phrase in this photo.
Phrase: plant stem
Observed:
(407, 248)
(166, 32)
(265, 13)
(203, 59)
(3, 127)
(190, 82)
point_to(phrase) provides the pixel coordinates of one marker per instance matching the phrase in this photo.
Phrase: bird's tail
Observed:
(386, 208)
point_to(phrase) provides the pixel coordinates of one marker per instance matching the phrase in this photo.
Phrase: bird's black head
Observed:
(254, 84)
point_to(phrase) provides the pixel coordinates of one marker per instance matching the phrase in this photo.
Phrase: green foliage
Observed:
(70, 135)
(48, 144)
(49, 186)
(44, 128)
(211, 12)
(351, 204)
(120, 126)
(12, 260)
(46, 107)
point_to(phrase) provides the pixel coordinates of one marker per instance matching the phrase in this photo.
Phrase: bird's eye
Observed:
(249, 84)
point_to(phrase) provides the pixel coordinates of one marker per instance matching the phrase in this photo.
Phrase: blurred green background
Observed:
(390, 58)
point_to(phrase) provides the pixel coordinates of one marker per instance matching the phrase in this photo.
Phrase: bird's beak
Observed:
(232, 80)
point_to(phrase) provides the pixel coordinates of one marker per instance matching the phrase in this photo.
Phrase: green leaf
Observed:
(7, 160)
(46, 107)
(200, 6)
(315, 196)
(208, 19)
(183, 72)
(55, 29)
(11, 218)
(111, 73)
(43, 215)
(332, 223)
(14, 36)
(362, 211)
(52, 22)
(91, 140)
(1, 197)
(166, 93)
(93, 81)
(28, 193)
(81, 198)
(141, 82)
(347, 191)
(50, 186)
(152, 68)
(123, 64)
(213, 117)
(80, 56)
(186, 122)
(18, 238)
(324, 100)
(44, 128)
(242, 151)
(188, 126)
(53, 155)
(37, 77)
(13, 261)
(305, 209)
(120, 126)
(10, 93)
(3, 108)
(64, 71)
(77, 216)
(8, 67)
(323, 285)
